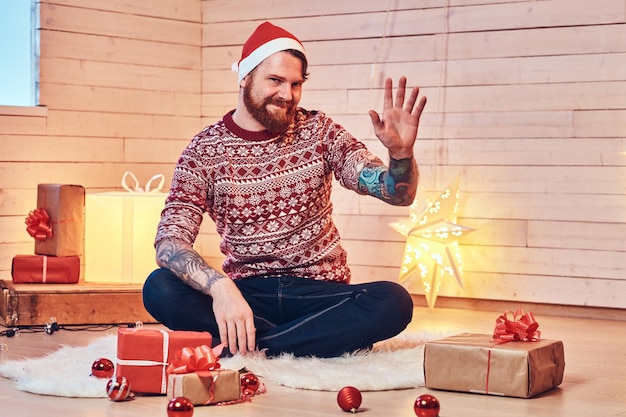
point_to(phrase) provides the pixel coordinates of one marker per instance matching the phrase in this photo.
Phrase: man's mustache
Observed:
(280, 103)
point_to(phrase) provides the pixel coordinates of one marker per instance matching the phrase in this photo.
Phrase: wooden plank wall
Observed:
(527, 103)
(119, 90)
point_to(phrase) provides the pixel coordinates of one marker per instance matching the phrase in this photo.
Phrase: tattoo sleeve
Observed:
(187, 264)
(395, 185)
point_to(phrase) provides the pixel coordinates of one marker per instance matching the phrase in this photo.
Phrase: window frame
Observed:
(34, 44)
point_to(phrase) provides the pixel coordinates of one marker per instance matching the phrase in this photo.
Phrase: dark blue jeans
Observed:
(296, 315)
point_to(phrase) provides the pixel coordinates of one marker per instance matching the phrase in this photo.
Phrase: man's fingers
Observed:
(377, 123)
(228, 335)
(223, 332)
(251, 335)
(417, 112)
(232, 338)
(242, 338)
(388, 97)
(375, 117)
(412, 99)
(400, 92)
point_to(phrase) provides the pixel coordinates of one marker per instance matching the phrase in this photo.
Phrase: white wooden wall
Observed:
(527, 103)
(119, 90)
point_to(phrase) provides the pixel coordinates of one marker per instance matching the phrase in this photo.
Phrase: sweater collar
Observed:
(246, 134)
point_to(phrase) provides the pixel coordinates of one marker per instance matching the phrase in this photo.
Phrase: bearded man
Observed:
(264, 175)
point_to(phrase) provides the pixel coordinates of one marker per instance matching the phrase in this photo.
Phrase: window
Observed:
(19, 74)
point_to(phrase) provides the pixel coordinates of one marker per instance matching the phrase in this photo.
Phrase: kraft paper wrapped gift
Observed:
(143, 355)
(45, 269)
(477, 363)
(65, 206)
(119, 235)
(206, 387)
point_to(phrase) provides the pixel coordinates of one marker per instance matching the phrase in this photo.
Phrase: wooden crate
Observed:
(71, 304)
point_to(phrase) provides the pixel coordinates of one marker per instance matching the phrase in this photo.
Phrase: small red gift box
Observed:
(143, 355)
(45, 269)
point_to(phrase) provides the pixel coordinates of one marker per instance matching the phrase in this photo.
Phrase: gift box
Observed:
(143, 355)
(206, 387)
(478, 363)
(45, 269)
(119, 235)
(64, 205)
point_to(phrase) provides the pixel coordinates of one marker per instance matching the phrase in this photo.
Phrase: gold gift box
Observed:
(205, 387)
(65, 204)
(476, 363)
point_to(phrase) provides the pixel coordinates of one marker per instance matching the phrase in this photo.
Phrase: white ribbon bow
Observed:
(137, 188)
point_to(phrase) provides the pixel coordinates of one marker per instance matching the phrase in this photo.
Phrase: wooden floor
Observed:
(594, 382)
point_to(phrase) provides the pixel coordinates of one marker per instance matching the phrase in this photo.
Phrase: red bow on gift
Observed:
(38, 224)
(200, 358)
(522, 328)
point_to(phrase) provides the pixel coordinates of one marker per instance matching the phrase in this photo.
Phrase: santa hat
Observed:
(266, 40)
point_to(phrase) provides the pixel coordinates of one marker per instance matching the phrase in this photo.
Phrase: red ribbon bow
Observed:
(522, 328)
(199, 358)
(38, 224)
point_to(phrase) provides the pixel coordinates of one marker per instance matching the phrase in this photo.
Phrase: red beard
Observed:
(274, 120)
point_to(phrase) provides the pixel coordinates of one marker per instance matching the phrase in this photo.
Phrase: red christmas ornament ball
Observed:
(180, 407)
(349, 399)
(249, 384)
(426, 405)
(118, 389)
(102, 368)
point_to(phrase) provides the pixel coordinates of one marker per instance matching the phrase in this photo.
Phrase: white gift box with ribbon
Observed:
(119, 232)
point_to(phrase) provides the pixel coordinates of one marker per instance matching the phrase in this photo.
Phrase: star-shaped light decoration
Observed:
(431, 252)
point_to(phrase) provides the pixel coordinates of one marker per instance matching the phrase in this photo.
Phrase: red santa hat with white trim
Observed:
(266, 40)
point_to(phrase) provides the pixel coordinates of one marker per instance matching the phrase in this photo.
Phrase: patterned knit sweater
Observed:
(268, 195)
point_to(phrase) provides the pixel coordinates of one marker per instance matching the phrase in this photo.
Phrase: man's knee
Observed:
(398, 303)
(403, 301)
(157, 285)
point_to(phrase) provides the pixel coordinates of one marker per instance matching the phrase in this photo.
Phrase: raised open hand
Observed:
(397, 129)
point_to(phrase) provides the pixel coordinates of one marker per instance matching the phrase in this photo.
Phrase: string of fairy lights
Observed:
(52, 326)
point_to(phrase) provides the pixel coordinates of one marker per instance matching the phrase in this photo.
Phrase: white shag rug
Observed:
(395, 363)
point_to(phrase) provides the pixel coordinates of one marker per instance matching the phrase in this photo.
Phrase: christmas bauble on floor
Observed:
(102, 368)
(349, 399)
(118, 389)
(426, 405)
(180, 407)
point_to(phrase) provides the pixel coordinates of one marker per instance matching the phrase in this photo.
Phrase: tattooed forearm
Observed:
(187, 264)
(395, 185)
(403, 178)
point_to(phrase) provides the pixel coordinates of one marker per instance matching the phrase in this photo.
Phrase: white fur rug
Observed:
(392, 364)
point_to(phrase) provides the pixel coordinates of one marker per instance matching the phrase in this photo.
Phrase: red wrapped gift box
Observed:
(45, 269)
(143, 355)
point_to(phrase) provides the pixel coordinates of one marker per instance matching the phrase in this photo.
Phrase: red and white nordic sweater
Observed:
(268, 195)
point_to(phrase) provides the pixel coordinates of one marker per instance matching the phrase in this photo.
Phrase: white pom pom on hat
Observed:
(266, 40)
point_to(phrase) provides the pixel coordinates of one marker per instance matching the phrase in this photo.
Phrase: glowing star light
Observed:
(431, 252)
